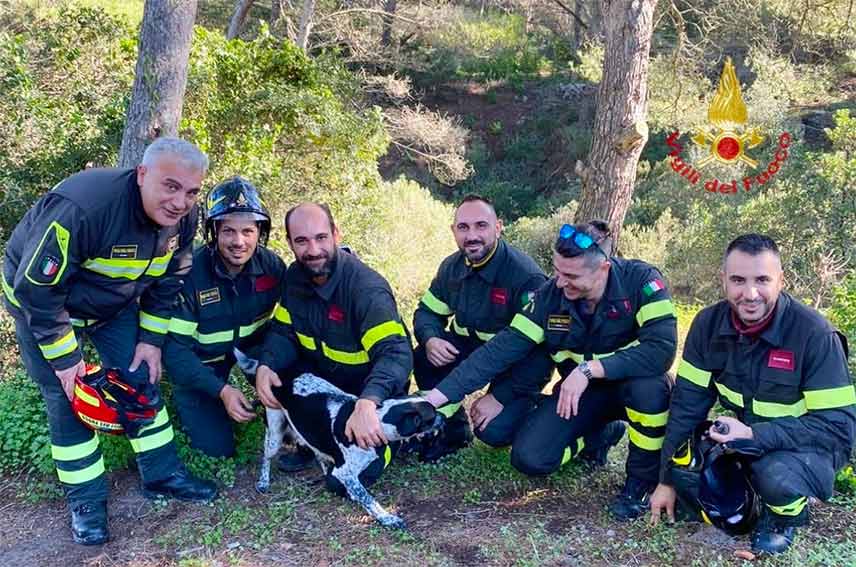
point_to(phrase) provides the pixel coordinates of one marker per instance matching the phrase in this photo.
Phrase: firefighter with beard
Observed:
(337, 319)
(782, 369)
(226, 303)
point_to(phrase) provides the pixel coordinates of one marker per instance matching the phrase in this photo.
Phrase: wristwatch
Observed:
(585, 369)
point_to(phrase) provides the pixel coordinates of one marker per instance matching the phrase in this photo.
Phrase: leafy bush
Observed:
(536, 235)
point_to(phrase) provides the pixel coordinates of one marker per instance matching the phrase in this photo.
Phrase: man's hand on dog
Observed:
(236, 404)
(265, 380)
(440, 352)
(484, 410)
(363, 427)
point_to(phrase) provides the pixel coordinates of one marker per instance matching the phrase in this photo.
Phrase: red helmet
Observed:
(103, 402)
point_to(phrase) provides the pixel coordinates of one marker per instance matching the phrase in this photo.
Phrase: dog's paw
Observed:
(394, 522)
(262, 487)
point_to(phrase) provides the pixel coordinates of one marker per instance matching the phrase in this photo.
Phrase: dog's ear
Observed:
(410, 416)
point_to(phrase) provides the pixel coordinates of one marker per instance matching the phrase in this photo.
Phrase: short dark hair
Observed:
(323, 206)
(472, 197)
(599, 231)
(752, 244)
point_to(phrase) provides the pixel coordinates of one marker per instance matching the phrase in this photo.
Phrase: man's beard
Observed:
(323, 270)
(478, 256)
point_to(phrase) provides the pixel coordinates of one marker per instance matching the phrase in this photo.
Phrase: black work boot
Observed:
(181, 485)
(633, 501)
(455, 433)
(298, 458)
(596, 449)
(89, 523)
(775, 533)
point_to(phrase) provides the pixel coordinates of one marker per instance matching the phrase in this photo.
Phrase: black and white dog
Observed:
(317, 411)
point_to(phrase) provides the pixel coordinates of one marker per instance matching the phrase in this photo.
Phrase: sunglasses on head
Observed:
(582, 240)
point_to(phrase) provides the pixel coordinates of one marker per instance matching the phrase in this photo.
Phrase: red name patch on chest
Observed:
(499, 296)
(266, 283)
(781, 360)
(335, 314)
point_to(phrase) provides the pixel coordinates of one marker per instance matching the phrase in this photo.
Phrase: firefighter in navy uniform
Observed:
(782, 369)
(102, 254)
(337, 319)
(475, 294)
(227, 301)
(610, 326)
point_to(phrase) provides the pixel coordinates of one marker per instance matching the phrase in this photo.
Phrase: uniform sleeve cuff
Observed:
(374, 393)
(763, 435)
(66, 361)
(150, 338)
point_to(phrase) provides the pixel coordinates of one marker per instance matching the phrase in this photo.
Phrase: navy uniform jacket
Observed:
(791, 385)
(633, 332)
(217, 312)
(85, 251)
(349, 329)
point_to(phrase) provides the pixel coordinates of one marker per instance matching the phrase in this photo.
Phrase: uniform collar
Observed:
(489, 271)
(326, 290)
(774, 331)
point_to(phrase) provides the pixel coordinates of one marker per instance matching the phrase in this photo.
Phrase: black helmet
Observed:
(725, 493)
(235, 195)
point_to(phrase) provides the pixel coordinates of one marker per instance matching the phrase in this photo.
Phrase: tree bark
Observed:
(306, 15)
(620, 130)
(160, 76)
(242, 8)
(389, 7)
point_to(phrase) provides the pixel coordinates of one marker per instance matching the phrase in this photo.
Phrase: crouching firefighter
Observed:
(782, 369)
(102, 255)
(226, 303)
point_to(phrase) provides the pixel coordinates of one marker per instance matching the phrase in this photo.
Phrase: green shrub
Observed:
(24, 437)
(536, 235)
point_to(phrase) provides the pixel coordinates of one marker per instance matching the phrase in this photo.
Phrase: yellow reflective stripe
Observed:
(531, 330)
(387, 456)
(380, 332)
(7, 291)
(695, 375)
(564, 355)
(597, 356)
(829, 398)
(154, 323)
(159, 265)
(212, 338)
(792, 509)
(82, 322)
(162, 418)
(684, 460)
(282, 315)
(182, 326)
(485, 336)
(656, 309)
(91, 472)
(449, 409)
(463, 331)
(117, 268)
(62, 238)
(431, 302)
(730, 395)
(86, 397)
(306, 341)
(771, 409)
(648, 419)
(359, 357)
(74, 452)
(643, 441)
(246, 330)
(160, 439)
(215, 359)
(568, 454)
(56, 349)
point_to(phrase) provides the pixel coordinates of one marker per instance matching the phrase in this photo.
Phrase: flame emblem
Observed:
(728, 141)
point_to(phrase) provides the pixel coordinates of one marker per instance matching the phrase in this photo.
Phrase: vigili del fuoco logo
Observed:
(727, 140)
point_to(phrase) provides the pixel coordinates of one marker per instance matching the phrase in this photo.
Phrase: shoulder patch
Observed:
(208, 296)
(653, 287)
(526, 297)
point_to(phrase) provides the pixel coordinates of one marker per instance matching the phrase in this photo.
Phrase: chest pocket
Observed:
(778, 393)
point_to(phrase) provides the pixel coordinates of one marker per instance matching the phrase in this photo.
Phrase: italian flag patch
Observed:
(653, 287)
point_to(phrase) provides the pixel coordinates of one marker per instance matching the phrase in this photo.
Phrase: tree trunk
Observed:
(242, 8)
(160, 76)
(389, 7)
(305, 24)
(620, 130)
